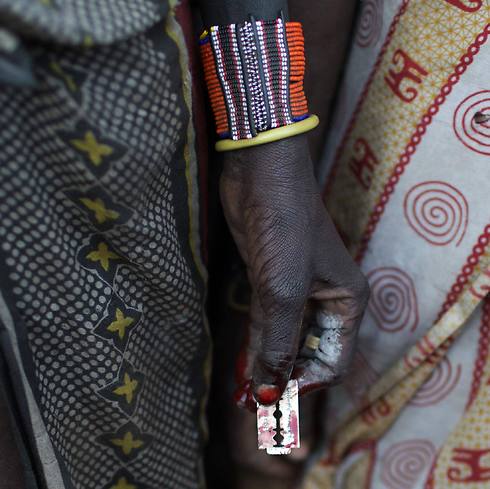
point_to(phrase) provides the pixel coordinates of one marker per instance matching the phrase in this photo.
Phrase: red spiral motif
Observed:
(439, 385)
(437, 211)
(393, 302)
(474, 134)
(370, 23)
(405, 462)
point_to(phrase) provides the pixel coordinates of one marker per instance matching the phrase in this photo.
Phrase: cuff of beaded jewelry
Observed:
(254, 73)
(270, 136)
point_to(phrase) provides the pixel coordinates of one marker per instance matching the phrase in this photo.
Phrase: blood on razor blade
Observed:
(278, 425)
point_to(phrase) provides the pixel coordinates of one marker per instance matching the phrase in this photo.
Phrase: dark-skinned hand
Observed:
(295, 261)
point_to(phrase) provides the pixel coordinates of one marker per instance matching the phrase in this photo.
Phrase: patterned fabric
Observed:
(82, 22)
(254, 72)
(102, 285)
(406, 172)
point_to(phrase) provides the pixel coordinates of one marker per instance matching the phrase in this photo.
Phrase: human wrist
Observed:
(284, 162)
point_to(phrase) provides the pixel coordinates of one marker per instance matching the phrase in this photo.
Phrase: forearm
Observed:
(269, 193)
(254, 72)
(222, 12)
(327, 28)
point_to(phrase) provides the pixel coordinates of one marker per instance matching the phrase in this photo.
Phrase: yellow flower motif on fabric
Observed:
(120, 324)
(122, 483)
(88, 41)
(102, 255)
(95, 150)
(58, 70)
(127, 389)
(117, 325)
(102, 213)
(127, 443)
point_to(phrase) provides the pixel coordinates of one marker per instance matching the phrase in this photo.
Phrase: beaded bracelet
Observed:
(254, 73)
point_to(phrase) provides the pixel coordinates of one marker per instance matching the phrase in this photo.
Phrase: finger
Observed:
(312, 376)
(326, 353)
(342, 293)
(278, 348)
(244, 366)
(243, 395)
(251, 343)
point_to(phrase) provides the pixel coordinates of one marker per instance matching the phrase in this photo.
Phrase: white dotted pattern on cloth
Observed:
(83, 21)
(128, 96)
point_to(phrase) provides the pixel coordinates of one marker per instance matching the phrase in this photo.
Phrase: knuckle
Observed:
(274, 365)
(276, 362)
(280, 295)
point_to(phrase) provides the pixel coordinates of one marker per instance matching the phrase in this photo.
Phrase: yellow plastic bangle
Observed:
(270, 135)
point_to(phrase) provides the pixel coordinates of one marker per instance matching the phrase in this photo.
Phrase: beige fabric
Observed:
(408, 181)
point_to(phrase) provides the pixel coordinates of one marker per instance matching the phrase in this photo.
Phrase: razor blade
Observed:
(278, 425)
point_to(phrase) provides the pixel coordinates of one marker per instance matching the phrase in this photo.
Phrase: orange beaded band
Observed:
(254, 73)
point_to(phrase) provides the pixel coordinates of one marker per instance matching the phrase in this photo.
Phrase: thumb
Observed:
(280, 323)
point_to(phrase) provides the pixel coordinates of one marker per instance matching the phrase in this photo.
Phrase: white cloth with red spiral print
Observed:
(425, 237)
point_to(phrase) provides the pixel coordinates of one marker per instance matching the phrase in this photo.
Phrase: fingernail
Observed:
(267, 394)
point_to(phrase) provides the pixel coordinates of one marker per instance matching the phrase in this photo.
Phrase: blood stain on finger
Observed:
(268, 394)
